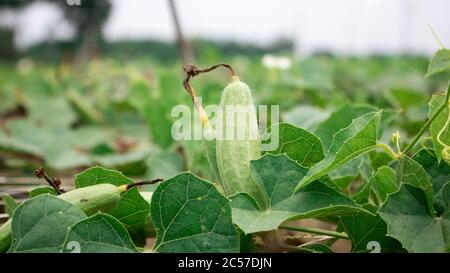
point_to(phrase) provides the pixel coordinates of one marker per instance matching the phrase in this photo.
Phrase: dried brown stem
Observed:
(192, 71)
(54, 182)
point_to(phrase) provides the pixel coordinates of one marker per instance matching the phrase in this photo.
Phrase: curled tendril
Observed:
(445, 153)
(395, 138)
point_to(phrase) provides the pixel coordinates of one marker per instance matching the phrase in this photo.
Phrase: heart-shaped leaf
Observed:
(100, 233)
(190, 215)
(410, 172)
(408, 219)
(366, 228)
(385, 182)
(41, 224)
(439, 174)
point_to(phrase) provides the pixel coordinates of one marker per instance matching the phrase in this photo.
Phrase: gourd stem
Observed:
(427, 124)
(140, 183)
(340, 235)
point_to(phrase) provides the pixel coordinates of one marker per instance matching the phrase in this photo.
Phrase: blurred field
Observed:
(117, 113)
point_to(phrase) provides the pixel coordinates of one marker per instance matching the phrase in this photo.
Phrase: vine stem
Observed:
(319, 231)
(388, 149)
(140, 183)
(427, 124)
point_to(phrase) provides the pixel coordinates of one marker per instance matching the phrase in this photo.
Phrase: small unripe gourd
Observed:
(238, 141)
(101, 197)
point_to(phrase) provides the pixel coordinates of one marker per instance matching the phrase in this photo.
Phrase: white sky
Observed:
(344, 26)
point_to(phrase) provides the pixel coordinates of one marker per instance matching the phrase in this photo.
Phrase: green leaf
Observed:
(42, 190)
(349, 171)
(132, 211)
(359, 137)
(379, 159)
(278, 176)
(385, 182)
(407, 216)
(190, 215)
(438, 123)
(299, 144)
(340, 119)
(98, 175)
(100, 233)
(366, 228)
(10, 203)
(362, 194)
(410, 172)
(439, 63)
(439, 174)
(41, 224)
